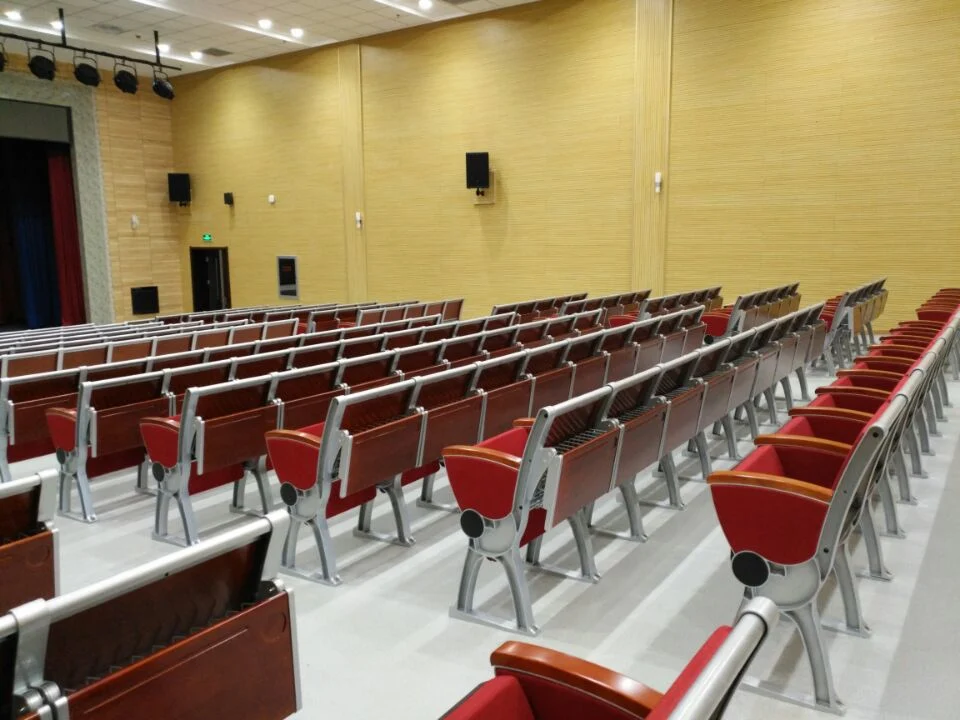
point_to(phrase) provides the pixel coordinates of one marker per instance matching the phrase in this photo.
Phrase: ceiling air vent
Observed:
(216, 52)
(108, 28)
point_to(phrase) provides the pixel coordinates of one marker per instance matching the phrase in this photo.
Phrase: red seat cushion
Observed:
(499, 699)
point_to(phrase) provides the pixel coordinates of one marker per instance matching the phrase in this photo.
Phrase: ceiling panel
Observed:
(126, 26)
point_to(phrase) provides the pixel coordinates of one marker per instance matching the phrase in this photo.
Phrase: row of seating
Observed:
(849, 317)
(92, 414)
(254, 313)
(514, 487)
(54, 336)
(788, 510)
(706, 297)
(447, 309)
(213, 417)
(145, 345)
(149, 641)
(753, 309)
(533, 309)
(538, 683)
(25, 399)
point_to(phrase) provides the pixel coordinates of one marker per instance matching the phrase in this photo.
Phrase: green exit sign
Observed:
(207, 237)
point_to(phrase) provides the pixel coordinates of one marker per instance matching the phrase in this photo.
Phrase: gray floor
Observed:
(383, 645)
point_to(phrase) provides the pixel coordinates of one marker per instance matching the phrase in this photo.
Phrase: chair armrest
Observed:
(830, 412)
(865, 372)
(472, 452)
(624, 693)
(524, 422)
(771, 482)
(804, 441)
(852, 390)
(890, 359)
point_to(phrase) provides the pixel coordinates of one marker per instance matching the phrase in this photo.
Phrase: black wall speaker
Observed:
(179, 186)
(145, 300)
(478, 170)
(228, 199)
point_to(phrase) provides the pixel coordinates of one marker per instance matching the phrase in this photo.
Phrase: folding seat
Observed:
(28, 540)
(130, 350)
(683, 394)
(695, 330)
(320, 354)
(112, 649)
(369, 371)
(641, 416)
(403, 338)
(444, 331)
(674, 335)
(216, 440)
(339, 464)
(552, 374)
(788, 511)
(451, 309)
(589, 362)
(100, 434)
(420, 359)
(260, 364)
(537, 683)
(513, 488)
(231, 351)
(173, 344)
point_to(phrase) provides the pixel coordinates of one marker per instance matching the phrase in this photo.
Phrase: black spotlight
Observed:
(162, 86)
(85, 70)
(42, 63)
(125, 78)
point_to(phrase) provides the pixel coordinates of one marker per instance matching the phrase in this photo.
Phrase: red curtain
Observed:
(66, 238)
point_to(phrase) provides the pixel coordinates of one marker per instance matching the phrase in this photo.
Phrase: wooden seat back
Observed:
(260, 364)
(453, 409)
(130, 350)
(377, 433)
(581, 470)
(149, 633)
(29, 363)
(109, 411)
(306, 394)
(685, 395)
(368, 370)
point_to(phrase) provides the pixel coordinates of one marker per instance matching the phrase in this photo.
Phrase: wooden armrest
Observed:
(162, 422)
(524, 422)
(903, 362)
(622, 692)
(893, 346)
(295, 436)
(863, 372)
(805, 441)
(831, 412)
(853, 390)
(486, 454)
(771, 482)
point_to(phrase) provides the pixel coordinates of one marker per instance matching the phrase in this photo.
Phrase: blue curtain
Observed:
(24, 170)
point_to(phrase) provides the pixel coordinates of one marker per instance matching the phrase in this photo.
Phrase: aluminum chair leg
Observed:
(903, 477)
(804, 387)
(161, 516)
(187, 518)
(468, 580)
(513, 566)
(787, 392)
(872, 338)
(327, 574)
(771, 405)
(426, 496)
(730, 432)
(889, 507)
(922, 432)
(853, 623)
(238, 505)
(632, 503)
(877, 568)
(938, 393)
(533, 550)
(703, 452)
(404, 537)
(916, 463)
(931, 416)
(588, 563)
(672, 480)
(752, 419)
(143, 478)
(807, 620)
(259, 471)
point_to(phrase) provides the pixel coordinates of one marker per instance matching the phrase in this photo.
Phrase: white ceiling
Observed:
(229, 25)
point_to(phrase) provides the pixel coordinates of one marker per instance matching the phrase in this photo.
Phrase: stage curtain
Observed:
(66, 237)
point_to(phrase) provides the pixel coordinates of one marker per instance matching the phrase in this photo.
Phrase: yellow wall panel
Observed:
(270, 127)
(819, 137)
(548, 90)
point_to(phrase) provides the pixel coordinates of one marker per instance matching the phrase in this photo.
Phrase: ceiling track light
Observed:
(42, 62)
(125, 78)
(161, 85)
(86, 70)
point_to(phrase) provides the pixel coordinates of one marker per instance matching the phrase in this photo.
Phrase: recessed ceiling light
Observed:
(14, 15)
(425, 4)
(56, 25)
(265, 24)
(163, 47)
(297, 32)
(196, 55)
